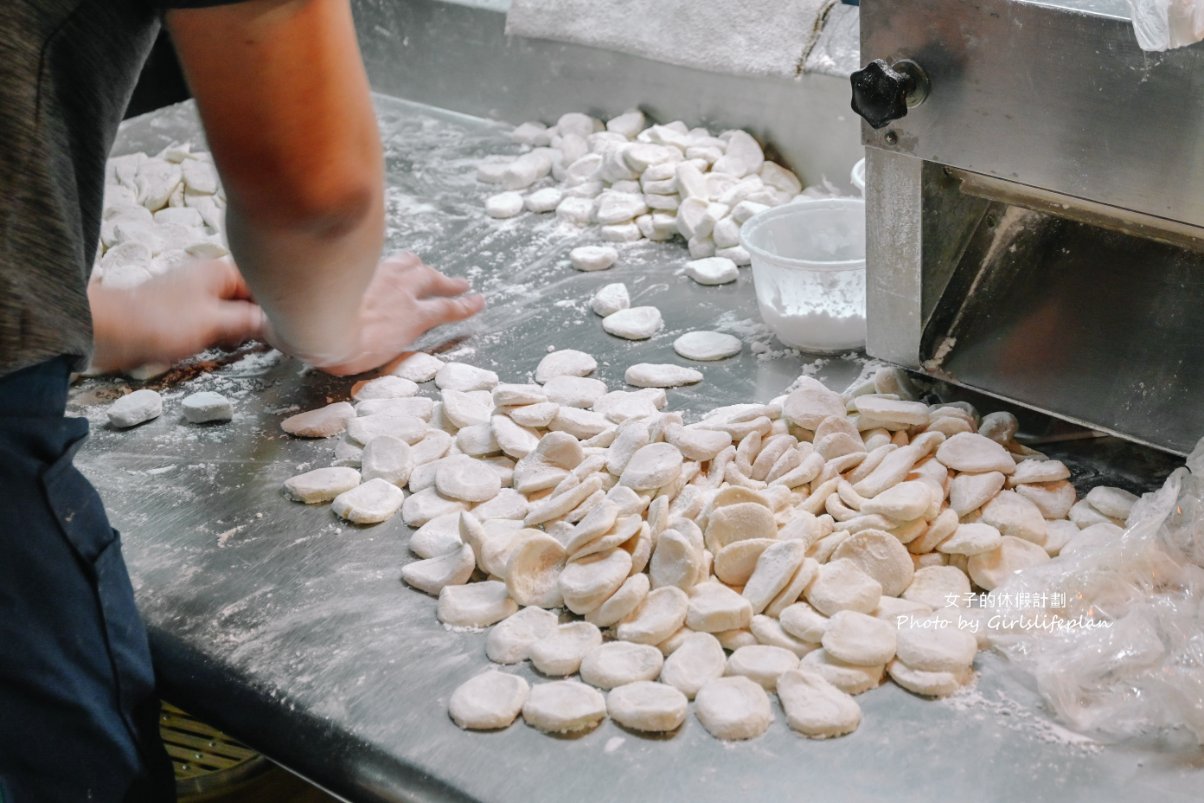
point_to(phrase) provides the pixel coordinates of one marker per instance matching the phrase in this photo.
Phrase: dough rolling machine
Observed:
(1034, 207)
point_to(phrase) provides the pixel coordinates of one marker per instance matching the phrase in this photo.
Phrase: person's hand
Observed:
(174, 315)
(404, 299)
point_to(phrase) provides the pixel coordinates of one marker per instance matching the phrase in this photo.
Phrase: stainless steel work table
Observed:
(291, 629)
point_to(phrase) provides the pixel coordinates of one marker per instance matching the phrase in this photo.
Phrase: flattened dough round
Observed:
(564, 706)
(762, 663)
(371, 503)
(858, 638)
(939, 647)
(510, 641)
(928, 684)
(560, 654)
(618, 663)
(816, 708)
(733, 708)
(489, 701)
(697, 661)
(648, 707)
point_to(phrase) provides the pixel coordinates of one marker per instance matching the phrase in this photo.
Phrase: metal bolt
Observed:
(891, 137)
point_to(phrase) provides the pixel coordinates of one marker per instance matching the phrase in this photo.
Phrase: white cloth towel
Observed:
(740, 37)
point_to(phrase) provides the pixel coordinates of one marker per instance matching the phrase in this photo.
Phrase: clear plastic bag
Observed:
(1165, 24)
(1127, 658)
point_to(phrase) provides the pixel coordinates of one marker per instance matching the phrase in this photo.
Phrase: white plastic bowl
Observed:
(857, 176)
(808, 261)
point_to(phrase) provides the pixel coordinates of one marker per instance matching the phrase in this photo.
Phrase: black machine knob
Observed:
(882, 92)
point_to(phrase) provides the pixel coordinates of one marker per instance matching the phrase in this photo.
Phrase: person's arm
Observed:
(288, 114)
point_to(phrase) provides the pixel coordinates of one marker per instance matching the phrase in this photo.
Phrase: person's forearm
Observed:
(117, 345)
(310, 279)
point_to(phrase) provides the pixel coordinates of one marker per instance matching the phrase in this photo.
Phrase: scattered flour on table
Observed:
(1020, 717)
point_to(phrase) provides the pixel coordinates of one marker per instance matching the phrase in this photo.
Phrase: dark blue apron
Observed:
(78, 708)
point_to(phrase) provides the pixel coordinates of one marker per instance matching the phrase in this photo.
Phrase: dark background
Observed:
(161, 83)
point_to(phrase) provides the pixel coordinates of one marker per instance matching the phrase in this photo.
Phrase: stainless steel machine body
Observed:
(1036, 224)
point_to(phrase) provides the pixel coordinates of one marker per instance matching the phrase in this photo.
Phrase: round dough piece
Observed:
(733, 708)
(533, 572)
(633, 323)
(880, 555)
(938, 587)
(762, 663)
(324, 422)
(207, 407)
(560, 654)
(714, 608)
(789, 595)
(490, 701)
(504, 205)
(735, 562)
(842, 585)
(742, 521)
(858, 638)
(622, 603)
(384, 387)
(564, 706)
(712, 270)
(371, 503)
(544, 200)
(849, 678)
(647, 707)
(618, 663)
(321, 484)
(662, 614)
(388, 458)
(432, 574)
(938, 647)
(565, 362)
(767, 630)
(707, 346)
(475, 604)
(804, 622)
(989, 569)
(465, 377)
(609, 299)
(816, 708)
(593, 257)
(733, 640)
(510, 641)
(409, 428)
(574, 391)
(652, 466)
(975, 454)
(775, 569)
(590, 581)
(437, 537)
(928, 684)
(972, 539)
(906, 501)
(661, 375)
(139, 407)
(698, 660)
(464, 478)
(417, 367)
(811, 402)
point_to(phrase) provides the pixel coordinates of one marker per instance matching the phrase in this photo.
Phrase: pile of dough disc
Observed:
(639, 181)
(159, 212)
(807, 548)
